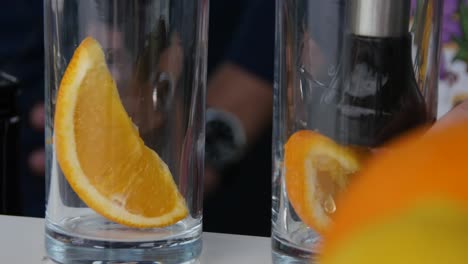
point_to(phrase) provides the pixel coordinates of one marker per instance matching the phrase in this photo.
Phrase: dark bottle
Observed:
(379, 97)
(9, 146)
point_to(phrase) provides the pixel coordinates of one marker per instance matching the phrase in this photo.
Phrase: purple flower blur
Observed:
(450, 24)
(451, 27)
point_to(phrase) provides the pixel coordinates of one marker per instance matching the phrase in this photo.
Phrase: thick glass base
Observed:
(284, 252)
(65, 248)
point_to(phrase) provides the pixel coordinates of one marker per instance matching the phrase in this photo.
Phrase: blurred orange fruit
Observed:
(409, 205)
(430, 232)
(101, 153)
(316, 170)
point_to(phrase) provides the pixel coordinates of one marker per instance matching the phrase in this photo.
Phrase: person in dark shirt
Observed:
(240, 67)
(22, 55)
(245, 55)
(238, 194)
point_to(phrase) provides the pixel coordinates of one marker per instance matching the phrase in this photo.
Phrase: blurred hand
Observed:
(249, 98)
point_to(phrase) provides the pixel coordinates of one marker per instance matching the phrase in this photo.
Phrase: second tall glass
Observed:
(350, 75)
(125, 102)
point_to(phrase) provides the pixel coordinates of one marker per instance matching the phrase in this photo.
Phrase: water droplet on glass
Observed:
(329, 204)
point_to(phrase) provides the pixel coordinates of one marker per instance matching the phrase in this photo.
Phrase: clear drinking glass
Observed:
(349, 76)
(106, 189)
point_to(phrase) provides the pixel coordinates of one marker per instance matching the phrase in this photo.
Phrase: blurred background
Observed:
(241, 40)
(240, 77)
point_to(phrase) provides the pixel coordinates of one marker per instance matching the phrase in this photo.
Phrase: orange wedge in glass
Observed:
(101, 153)
(316, 170)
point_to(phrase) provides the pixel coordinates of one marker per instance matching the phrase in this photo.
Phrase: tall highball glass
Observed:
(350, 75)
(125, 106)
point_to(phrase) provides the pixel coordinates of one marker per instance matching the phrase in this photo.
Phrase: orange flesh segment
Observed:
(316, 170)
(101, 153)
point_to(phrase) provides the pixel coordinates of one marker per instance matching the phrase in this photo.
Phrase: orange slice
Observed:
(101, 153)
(316, 170)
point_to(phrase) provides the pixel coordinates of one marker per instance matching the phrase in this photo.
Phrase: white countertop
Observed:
(22, 241)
